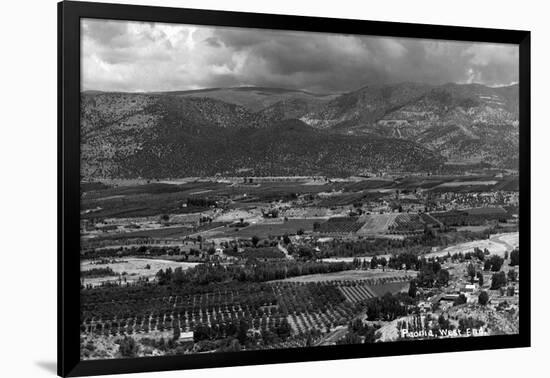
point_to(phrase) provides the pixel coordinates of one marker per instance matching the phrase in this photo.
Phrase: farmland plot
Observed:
(372, 276)
(304, 306)
(264, 230)
(356, 291)
(376, 223)
(131, 269)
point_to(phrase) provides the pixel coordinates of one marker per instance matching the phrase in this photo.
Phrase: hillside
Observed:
(286, 148)
(256, 99)
(172, 136)
(265, 131)
(464, 123)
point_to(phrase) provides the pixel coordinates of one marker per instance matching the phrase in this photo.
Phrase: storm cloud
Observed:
(136, 56)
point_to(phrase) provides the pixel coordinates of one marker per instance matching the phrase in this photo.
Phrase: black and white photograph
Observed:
(251, 189)
(275, 189)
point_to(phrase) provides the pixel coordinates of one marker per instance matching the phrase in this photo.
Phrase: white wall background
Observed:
(28, 155)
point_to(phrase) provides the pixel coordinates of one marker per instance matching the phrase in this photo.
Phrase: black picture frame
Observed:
(69, 15)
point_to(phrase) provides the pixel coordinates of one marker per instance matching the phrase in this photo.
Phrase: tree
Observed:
(128, 347)
(461, 299)
(498, 280)
(412, 289)
(479, 254)
(426, 277)
(514, 257)
(388, 307)
(286, 239)
(480, 278)
(201, 332)
(512, 275)
(373, 262)
(442, 277)
(510, 291)
(306, 252)
(350, 338)
(242, 331)
(177, 331)
(471, 272)
(178, 277)
(483, 298)
(496, 263)
(283, 330)
(493, 263)
(233, 346)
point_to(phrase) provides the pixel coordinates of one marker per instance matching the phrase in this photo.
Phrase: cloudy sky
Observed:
(135, 56)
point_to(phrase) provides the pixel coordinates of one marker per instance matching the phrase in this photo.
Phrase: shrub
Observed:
(461, 299)
(514, 257)
(483, 298)
(128, 347)
(498, 280)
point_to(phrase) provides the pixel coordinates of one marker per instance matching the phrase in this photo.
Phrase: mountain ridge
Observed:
(173, 135)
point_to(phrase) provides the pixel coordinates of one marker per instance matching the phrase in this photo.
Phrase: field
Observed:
(359, 291)
(454, 184)
(303, 307)
(351, 275)
(265, 230)
(164, 232)
(104, 201)
(376, 223)
(238, 286)
(473, 228)
(258, 253)
(356, 293)
(164, 198)
(389, 287)
(351, 258)
(265, 307)
(406, 223)
(134, 269)
(345, 225)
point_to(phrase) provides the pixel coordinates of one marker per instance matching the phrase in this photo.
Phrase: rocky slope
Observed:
(464, 123)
